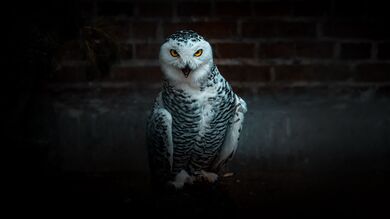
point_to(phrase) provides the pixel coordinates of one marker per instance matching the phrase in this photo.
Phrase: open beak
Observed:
(186, 71)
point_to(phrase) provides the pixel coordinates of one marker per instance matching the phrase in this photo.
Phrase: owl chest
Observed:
(196, 113)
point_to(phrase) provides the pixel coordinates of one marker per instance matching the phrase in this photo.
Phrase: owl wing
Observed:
(160, 145)
(232, 136)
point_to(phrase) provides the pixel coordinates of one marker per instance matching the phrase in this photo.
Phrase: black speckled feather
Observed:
(188, 129)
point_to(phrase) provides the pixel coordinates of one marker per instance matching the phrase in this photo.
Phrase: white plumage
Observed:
(195, 123)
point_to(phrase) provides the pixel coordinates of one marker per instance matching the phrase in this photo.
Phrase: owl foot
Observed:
(203, 176)
(180, 179)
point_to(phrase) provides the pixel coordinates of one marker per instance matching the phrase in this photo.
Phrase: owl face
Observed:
(185, 56)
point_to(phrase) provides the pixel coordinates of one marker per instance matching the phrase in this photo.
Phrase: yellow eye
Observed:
(198, 53)
(174, 53)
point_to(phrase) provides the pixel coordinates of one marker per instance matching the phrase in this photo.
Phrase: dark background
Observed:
(82, 76)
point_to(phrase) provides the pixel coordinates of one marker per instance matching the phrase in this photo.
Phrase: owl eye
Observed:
(174, 53)
(198, 53)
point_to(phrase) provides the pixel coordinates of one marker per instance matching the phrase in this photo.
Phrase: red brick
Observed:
(296, 50)
(210, 29)
(154, 9)
(245, 73)
(89, 8)
(144, 30)
(314, 49)
(383, 51)
(233, 9)
(311, 73)
(118, 29)
(147, 51)
(136, 73)
(234, 50)
(373, 72)
(113, 8)
(347, 9)
(126, 51)
(272, 8)
(355, 51)
(193, 9)
(71, 50)
(276, 50)
(311, 8)
(280, 29)
(356, 29)
(72, 73)
(377, 10)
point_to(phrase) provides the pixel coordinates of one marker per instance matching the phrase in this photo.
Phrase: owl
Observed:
(195, 123)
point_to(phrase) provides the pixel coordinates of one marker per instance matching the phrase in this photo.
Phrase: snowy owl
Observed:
(195, 123)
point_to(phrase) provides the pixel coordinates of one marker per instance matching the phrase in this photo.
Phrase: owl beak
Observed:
(186, 71)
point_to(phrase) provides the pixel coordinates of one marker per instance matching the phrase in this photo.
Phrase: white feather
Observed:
(171, 66)
(169, 127)
(231, 139)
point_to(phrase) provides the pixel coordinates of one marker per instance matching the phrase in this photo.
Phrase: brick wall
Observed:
(256, 43)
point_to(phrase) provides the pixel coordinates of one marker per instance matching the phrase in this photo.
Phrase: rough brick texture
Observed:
(265, 42)
(312, 73)
(136, 73)
(278, 29)
(355, 51)
(373, 72)
(384, 51)
(233, 9)
(248, 74)
(213, 29)
(234, 50)
(193, 8)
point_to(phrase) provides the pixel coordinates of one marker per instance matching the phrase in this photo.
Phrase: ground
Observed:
(300, 154)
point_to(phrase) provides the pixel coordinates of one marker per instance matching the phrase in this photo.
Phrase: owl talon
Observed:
(181, 178)
(196, 107)
(207, 177)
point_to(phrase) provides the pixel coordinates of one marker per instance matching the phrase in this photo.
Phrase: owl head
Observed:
(185, 56)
